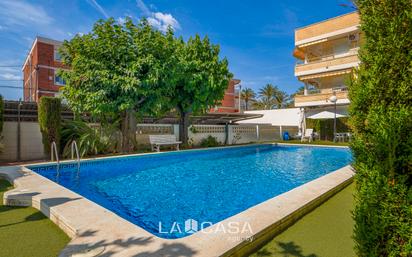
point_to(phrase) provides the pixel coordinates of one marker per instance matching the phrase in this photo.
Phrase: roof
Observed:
(42, 40)
(208, 118)
(322, 21)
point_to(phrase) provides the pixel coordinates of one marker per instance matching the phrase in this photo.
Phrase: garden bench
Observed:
(157, 140)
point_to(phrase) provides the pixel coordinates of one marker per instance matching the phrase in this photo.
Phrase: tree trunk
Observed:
(183, 126)
(128, 130)
(125, 131)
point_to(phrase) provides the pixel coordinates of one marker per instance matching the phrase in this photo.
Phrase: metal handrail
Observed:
(54, 147)
(73, 149)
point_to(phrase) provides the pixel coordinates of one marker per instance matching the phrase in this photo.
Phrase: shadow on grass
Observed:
(32, 217)
(289, 249)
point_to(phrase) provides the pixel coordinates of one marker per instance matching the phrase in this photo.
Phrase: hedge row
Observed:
(49, 116)
(381, 118)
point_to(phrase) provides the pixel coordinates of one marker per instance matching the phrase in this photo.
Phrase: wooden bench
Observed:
(157, 140)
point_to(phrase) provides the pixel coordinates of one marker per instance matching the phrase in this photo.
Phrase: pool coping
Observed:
(92, 227)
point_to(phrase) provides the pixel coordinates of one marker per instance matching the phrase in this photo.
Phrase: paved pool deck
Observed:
(96, 230)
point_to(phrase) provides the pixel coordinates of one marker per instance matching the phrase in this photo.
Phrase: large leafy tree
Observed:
(199, 78)
(117, 71)
(381, 118)
(247, 95)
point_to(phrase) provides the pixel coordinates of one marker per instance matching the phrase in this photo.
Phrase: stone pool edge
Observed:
(93, 227)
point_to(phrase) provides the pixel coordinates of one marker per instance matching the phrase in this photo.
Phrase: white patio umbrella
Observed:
(324, 115)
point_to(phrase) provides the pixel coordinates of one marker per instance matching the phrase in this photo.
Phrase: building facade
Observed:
(39, 70)
(327, 53)
(229, 102)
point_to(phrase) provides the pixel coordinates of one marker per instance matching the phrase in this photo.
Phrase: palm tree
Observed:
(281, 98)
(247, 95)
(267, 96)
(272, 97)
(291, 101)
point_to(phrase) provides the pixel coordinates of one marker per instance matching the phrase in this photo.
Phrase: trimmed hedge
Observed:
(49, 115)
(381, 118)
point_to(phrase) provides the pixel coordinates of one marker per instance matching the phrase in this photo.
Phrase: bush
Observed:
(90, 140)
(209, 141)
(381, 119)
(49, 109)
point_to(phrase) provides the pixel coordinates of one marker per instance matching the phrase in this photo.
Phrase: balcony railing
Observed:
(323, 96)
(326, 62)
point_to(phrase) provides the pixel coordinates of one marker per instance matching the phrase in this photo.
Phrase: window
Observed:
(57, 56)
(59, 81)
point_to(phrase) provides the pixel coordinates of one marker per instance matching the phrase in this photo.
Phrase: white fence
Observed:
(236, 134)
(30, 146)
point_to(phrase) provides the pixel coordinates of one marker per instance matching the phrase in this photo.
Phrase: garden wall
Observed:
(30, 146)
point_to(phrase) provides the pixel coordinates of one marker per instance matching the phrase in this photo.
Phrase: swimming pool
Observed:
(160, 192)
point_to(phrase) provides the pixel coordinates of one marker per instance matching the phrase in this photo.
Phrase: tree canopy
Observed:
(198, 79)
(124, 70)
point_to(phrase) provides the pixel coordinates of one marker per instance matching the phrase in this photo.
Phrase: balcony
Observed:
(328, 28)
(319, 98)
(328, 63)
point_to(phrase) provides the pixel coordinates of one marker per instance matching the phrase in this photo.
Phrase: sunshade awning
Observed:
(325, 74)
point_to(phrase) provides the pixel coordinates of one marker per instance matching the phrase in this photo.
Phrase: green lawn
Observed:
(326, 231)
(26, 232)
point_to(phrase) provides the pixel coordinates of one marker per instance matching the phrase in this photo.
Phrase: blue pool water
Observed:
(159, 191)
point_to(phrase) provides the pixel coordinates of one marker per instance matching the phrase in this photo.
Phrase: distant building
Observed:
(327, 52)
(39, 70)
(228, 104)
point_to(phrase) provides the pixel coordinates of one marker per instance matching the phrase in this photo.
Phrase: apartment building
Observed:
(327, 53)
(229, 104)
(39, 70)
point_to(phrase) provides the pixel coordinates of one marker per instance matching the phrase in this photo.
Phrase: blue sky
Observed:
(257, 37)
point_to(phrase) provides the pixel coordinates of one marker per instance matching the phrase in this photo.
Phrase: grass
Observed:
(326, 231)
(25, 231)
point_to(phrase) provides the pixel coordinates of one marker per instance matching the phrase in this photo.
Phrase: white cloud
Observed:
(14, 12)
(159, 20)
(10, 76)
(98, 7)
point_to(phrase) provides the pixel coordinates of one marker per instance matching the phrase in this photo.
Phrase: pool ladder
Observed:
(54, 153)
(75, 149)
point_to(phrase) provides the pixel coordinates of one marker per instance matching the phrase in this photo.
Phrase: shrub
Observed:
(209, 141)
(381, 118)
(49, 109)
(90, 140)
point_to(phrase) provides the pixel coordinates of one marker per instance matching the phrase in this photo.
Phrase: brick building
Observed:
(228, 104)
(39, 70)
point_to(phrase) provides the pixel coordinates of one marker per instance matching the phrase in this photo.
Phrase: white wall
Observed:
(278, 117)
